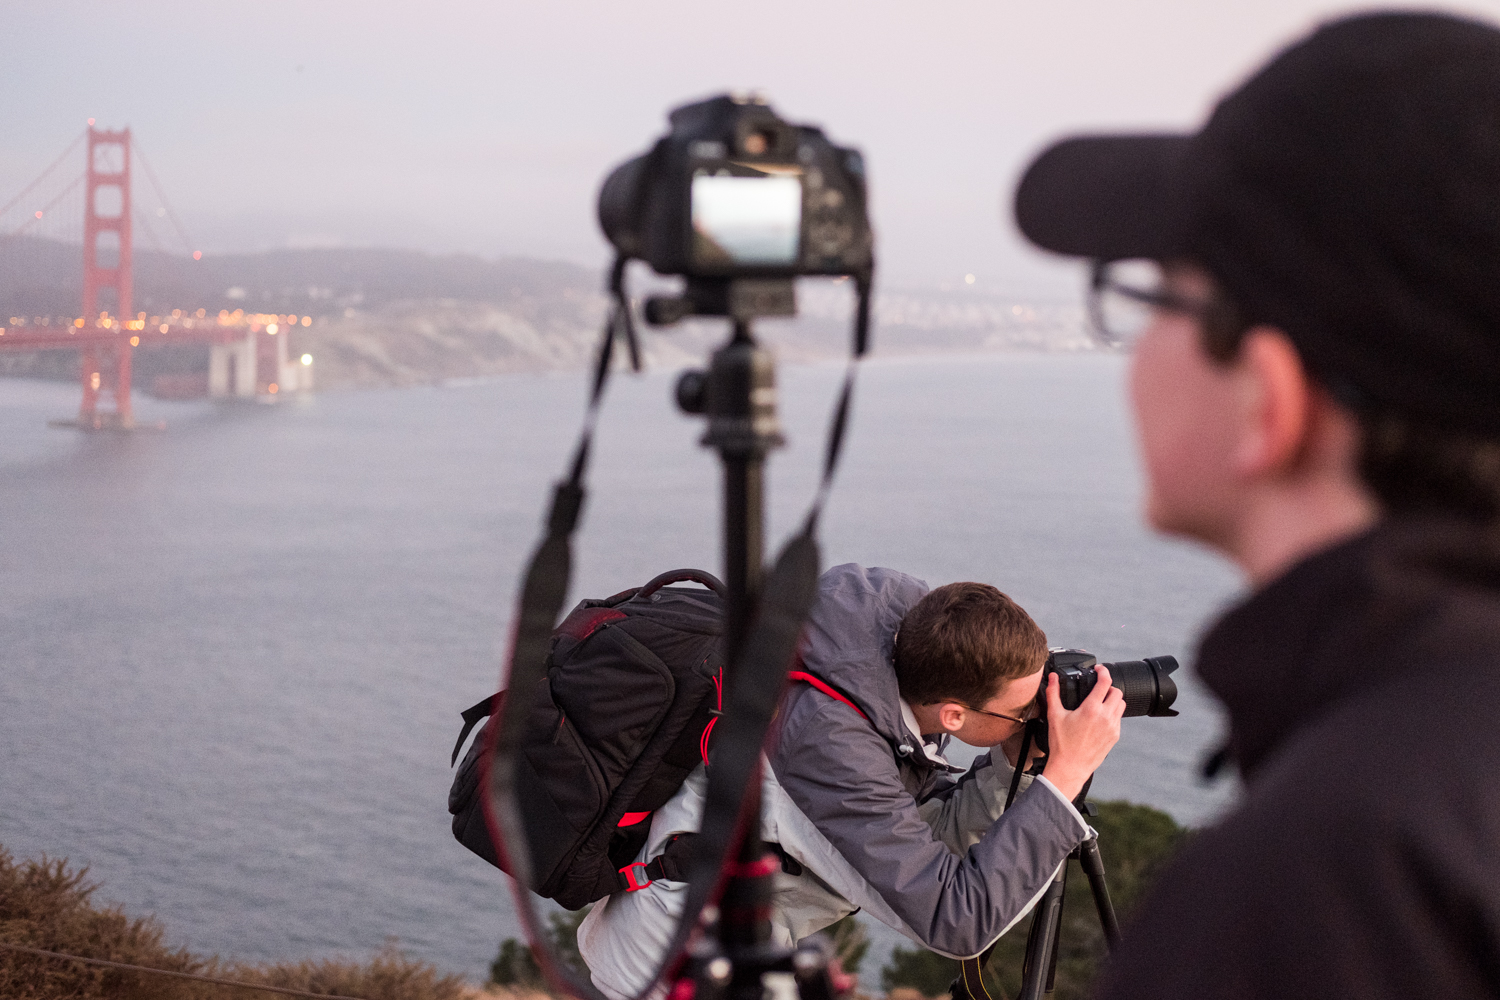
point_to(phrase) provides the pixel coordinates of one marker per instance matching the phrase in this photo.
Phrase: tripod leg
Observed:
(1041, 943)
(1056, 944)
(1093, 866)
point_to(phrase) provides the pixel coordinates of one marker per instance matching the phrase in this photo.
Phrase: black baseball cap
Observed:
(1348, 193)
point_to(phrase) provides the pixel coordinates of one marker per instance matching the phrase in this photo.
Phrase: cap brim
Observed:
(1111, 197)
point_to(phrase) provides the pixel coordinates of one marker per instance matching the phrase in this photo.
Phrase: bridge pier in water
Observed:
(105, 369)
(232, 368)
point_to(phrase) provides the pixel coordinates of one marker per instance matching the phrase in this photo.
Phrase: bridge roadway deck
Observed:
(32, 338)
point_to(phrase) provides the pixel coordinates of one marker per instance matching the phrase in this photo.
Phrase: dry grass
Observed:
(44, 904)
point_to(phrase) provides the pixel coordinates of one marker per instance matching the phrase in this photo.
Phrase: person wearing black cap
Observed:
(1314, 279)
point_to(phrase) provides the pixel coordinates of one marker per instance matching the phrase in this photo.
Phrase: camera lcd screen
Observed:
(746, 220)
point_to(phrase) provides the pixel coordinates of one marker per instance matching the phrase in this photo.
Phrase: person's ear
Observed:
(1275, 397)
(951, 716)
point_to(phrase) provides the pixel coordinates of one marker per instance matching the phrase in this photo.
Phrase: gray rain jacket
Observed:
(869, 810)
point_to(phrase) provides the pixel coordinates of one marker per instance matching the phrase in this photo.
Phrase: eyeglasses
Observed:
(1007, 718)
(1125, 294)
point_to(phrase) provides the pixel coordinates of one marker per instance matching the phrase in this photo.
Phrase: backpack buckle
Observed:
(631, 883)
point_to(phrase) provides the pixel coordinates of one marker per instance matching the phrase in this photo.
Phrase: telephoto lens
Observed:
(1147, 684)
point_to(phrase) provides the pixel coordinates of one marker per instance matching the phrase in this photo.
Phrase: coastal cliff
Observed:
(399, 317)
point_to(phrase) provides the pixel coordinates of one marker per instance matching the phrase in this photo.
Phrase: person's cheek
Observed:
(1147, 401)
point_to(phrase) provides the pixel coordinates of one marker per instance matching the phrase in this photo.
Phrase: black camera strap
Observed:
(840, 420)
(752, 693)
(543, 591)
(1035, 732)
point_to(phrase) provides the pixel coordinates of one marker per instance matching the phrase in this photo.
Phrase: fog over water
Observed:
(235, 650)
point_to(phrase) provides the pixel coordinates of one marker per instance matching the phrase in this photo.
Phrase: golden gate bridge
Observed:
(248, 353)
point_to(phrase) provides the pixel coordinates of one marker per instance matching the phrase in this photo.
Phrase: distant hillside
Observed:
(394, 317)
(381, 317)
(43, 277)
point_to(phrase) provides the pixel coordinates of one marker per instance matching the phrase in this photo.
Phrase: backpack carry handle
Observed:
(683, 576)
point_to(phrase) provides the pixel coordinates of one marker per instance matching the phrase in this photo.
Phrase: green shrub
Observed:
(515, 965)
(849, 942)
(924, 971)
(1135, 842)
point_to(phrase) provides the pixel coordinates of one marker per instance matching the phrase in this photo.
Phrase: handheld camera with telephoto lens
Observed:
(1149, 690)
(1147, 684)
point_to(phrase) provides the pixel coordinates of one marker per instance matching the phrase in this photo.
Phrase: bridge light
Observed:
(271, 328)
(135, 341)
(273, 388)
(163, 328)
(306, 358)
(94, 381)
(78, 322)
(197, 254)
(307, 321)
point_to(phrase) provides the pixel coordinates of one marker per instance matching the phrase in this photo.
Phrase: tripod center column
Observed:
(740, 403)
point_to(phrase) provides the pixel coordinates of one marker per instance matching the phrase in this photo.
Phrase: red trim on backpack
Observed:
(719, 707)
(802, 675)
(634, 882)
(631, 819)
(768, 865)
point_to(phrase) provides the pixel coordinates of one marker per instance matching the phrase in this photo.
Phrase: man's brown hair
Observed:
(961, 642)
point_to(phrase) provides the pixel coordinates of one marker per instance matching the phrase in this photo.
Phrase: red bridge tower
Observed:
(107, 265)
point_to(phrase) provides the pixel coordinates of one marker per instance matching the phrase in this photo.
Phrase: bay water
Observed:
(234, 650)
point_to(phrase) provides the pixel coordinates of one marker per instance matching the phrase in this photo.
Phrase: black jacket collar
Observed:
(1412, 594)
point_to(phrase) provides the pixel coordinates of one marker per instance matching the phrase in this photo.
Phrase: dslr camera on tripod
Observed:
(739, 201)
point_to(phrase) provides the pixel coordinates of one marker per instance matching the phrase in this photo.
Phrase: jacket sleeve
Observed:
(960, 813)
(840, 776)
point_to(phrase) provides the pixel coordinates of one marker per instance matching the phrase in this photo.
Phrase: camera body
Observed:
(1147, 684)
(733, 191)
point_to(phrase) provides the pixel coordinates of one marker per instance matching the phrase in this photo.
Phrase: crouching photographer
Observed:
(858, 799)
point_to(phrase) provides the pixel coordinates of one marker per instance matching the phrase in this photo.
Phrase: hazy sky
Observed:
(487, 127)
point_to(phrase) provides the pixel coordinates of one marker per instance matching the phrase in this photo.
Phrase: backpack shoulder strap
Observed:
(471, 717)
(826, 688)
(671, 864)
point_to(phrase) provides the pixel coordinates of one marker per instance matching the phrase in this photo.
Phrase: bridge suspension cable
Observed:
(143, 223)
(41, 212)
(187, 242)
(43, 175)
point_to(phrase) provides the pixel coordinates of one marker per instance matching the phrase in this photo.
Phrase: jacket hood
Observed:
(850, 643)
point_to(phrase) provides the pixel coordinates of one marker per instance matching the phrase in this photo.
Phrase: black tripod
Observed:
(738, 396)
(1039, 970)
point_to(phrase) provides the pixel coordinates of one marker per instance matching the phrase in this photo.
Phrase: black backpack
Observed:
(634, 688)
